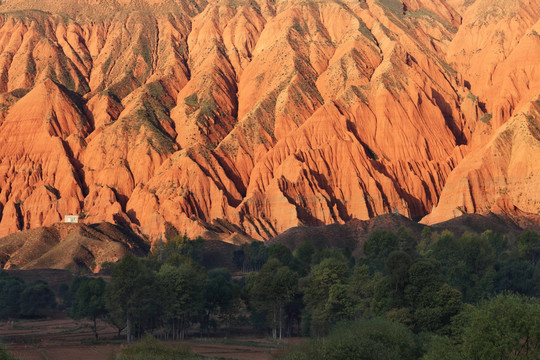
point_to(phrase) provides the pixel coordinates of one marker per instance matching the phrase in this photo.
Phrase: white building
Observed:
(71, 218)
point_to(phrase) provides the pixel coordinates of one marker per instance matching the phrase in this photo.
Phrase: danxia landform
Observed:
(247, 118)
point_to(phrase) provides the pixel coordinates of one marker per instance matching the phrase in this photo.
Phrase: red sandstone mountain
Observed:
(251, 117)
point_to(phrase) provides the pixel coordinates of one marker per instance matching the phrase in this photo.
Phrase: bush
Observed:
(362, 340)
(37, 299)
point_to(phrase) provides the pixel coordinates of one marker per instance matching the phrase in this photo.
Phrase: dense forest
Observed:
(434, 297)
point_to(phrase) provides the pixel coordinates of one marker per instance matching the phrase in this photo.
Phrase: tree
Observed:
(432, 301)
(36, 300)
(397, 267)
(340, 304)
(446, 249)
(182, 245)
(506, 327)
(282, 253)
(323, 276)
(442, 348)
(304, 254)
(528, 244)
(218, 295)
(257, 255)
(361, 290)
(89, 301)
(182, 289)
(131, 297)
(406, 240)
(515, 276)
(379, 245)
(474, 273)
(271, 289)
(11, 289)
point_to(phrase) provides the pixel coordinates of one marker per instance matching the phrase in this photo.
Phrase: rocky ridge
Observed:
(251, 117)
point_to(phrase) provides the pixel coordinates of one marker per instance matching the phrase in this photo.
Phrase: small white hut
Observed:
(71, 219)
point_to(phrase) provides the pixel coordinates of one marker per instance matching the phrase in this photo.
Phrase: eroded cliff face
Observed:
(256, 116)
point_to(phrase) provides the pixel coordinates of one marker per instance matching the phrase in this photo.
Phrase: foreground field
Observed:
(62, 338)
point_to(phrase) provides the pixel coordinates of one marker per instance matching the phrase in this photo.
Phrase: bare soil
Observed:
(62, 338)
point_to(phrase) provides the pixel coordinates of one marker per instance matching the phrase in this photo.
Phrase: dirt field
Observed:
(62, 338)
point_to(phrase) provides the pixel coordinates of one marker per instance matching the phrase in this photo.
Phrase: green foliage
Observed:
(397, 267)
(53, 191)
(219, 295)
(179, 245)
(472, 97)
(442, 348)
(270, 290)
(528, 244)
(181, 297)
(331, 271)
(486, 118)
(192, 100)
(11, 289)
(251, 257)
(131, 297)
(379, 245)
(515, 276)
(394, 6)
(362, 291)
(89, 301)
(282, 253)
(361, 340)
(36, 300)
(506, 327)
(303, 255)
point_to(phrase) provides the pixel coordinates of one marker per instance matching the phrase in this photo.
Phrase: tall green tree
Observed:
(433, 302)
(182, 290)
(378, 246)
(506, 327)
(271, 289)
(131, 296)
(323, 276)
(218, 296)
(89, 302)
(528, 244)
(304, 254)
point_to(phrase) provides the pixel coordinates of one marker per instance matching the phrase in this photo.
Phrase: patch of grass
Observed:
(52, 190)
(192, 100)
(250, 343)
(395, 6)
(432, 18)
(45, 356)
(4, 354)
(486, 118)
(472, 97)
(150, 348)
(208, 107)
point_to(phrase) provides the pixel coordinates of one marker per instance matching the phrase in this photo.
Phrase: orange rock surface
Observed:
(266, 115)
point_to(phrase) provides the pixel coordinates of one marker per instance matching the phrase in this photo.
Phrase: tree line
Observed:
(434, 297)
